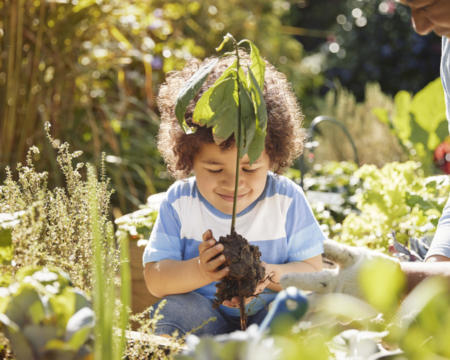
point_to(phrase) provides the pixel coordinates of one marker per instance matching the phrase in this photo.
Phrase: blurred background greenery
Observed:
(92, 68)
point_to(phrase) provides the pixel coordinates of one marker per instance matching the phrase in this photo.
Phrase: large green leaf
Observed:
(18, 309)
(248, 123)
(428, 106)
(257, 144)
(382, 283)
(19, 344)
(218, 108)
(189, 91)
(258, 66)
(401, 120)
(63, 305)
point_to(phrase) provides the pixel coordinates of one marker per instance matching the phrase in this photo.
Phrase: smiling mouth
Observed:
(230, 197)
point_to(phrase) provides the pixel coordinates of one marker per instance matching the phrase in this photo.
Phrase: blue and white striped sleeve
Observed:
(304, 236)
(164, 240)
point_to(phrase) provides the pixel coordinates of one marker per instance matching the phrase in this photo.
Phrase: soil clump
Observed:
(245, 273)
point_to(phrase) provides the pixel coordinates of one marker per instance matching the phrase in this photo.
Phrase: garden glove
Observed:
(344, 278)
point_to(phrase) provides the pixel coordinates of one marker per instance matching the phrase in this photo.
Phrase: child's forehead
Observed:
(212, 153)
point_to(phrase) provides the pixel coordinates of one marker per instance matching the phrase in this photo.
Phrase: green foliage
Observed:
(372, 278)
(419, 121)
(44, 317)
(330, 188)
(340, 326)
(92, 69)
(7, 222)
(233, 105)
(421, 325)
(373, 139)
(54, 227)
(137, 225)
(396, 200)
(107, 345)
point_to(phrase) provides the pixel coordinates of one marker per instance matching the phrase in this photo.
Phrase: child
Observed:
(182, 259)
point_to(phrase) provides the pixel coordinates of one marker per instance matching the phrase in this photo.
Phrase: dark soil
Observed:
(246, 271)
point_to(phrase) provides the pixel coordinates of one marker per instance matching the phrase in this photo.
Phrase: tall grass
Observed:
(111, 313)
(373, 139)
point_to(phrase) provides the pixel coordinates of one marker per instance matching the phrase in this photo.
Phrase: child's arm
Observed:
(276, 271)
(167, 277)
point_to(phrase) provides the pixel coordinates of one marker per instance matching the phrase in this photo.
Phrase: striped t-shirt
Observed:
(280, 222)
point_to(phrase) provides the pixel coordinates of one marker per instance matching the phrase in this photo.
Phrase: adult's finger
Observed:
(315, 281)
(341, 254)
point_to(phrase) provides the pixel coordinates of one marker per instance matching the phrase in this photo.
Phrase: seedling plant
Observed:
(232, 106)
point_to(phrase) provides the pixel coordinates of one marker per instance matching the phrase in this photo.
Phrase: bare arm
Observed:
(417, 271)
(168, 277)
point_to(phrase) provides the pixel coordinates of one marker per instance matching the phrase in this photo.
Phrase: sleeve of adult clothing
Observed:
(164, 240)
(445, 74)
(441, 240)
(304, 236)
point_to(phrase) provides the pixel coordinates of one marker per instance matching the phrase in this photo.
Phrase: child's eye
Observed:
(249, 170)
(214, 171)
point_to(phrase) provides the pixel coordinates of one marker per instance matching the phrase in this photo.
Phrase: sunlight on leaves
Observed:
(382, 283)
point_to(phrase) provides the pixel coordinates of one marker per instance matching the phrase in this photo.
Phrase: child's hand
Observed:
(210, 258)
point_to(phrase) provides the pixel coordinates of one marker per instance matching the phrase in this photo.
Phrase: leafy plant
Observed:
(395, 201)
(92, 70)
(233, 106)
(54, 227)
(419, 121)
(385, 324)
(367, 132)
(330, 188)
(108, 344)
(70, 229)
(44, 317)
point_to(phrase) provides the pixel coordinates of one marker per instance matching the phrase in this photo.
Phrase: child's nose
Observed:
(229, 179)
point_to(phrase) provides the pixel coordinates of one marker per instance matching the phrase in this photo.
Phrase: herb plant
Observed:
(233, 106)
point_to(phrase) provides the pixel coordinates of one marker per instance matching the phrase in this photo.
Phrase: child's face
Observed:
(215, 170)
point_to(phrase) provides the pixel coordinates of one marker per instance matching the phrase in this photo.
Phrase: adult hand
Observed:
(430, 15)
(343, 279)
(211, 258)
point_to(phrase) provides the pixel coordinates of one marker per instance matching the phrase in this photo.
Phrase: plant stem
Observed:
(238, 142)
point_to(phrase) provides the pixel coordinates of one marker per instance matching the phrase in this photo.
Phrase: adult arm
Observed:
(417, 271)
(350, 260)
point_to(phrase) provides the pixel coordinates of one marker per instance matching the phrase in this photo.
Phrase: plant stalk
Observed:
(238, 143)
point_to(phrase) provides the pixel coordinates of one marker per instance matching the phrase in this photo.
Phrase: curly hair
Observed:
(285, 136)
